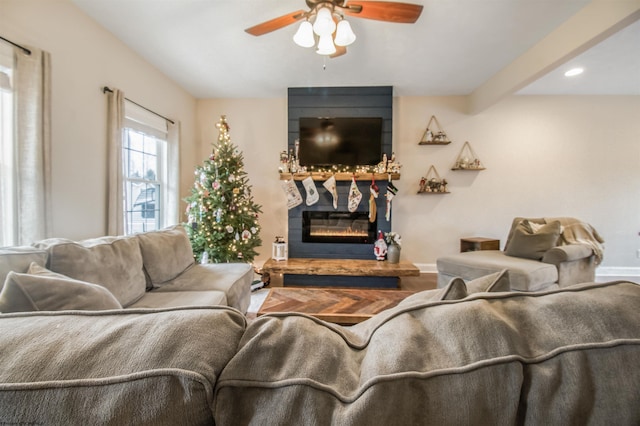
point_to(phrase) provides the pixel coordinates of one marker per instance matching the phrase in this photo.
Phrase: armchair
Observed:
(540, 254)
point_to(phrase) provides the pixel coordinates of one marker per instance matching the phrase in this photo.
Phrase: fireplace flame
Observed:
(345, 232)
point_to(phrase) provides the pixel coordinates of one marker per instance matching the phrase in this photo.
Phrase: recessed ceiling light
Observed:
(573, 72)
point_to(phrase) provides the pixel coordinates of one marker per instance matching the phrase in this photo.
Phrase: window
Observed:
(7, 172)
(145, 169)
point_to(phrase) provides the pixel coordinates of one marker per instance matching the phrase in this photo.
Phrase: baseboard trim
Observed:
(427, 268)
(617, 271)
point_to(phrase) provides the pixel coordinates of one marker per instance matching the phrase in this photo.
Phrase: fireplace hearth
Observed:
(337, 227)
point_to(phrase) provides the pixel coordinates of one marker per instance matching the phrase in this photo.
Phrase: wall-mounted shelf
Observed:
(432, 183)
(429, 137)
(467, 159)
(339, 176)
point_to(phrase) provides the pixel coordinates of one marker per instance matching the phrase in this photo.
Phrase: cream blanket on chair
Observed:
(575, 231)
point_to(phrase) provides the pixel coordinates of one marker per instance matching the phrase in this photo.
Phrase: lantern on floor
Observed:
(279, 249)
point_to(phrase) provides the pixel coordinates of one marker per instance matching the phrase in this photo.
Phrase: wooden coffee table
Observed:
(345, 306)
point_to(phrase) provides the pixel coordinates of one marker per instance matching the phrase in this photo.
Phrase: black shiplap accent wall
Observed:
(339, 102)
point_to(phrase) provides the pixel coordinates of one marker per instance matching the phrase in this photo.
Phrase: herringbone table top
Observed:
(339, 305)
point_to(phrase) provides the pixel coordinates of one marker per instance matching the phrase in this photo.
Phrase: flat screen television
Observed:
(347, 141)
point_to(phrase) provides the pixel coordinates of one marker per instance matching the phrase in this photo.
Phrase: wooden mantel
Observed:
(341, 267)
(339, 176)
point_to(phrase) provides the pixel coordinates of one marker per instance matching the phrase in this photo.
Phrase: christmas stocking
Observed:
(312, 192)
(330, 184)
(391, 192)
(374, 190)
(354, 196)
(293, 194)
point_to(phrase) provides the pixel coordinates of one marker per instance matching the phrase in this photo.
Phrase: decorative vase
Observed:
(393, 253)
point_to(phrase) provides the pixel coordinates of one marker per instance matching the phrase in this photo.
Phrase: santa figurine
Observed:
(380, 247)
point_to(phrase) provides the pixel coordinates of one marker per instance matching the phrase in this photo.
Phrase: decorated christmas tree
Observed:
(223, 219)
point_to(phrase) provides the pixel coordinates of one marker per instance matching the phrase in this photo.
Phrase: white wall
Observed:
(85, 57)
(545, 156)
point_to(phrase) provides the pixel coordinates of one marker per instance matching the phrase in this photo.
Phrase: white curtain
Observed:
(115, 185)
(32, 153)
(172, 206)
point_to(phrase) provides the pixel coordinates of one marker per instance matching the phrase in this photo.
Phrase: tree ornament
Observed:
(229, 229)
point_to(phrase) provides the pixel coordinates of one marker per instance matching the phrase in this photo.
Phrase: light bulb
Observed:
(325, 45)
(304, 36)
(573, 72)
(324, 24)
(344, 34)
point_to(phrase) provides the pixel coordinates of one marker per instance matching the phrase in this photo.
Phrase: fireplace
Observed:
(337, 227)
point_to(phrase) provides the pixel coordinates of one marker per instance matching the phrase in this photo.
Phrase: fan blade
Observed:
(340, 50)
(403, 13)
(276, 24)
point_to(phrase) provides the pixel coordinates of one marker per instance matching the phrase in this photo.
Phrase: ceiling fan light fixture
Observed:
(324, 24)
(304, 36)
(325, 45)
(344, 34)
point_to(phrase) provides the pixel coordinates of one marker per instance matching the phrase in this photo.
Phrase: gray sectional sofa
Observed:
(469, 353)
(153, 269)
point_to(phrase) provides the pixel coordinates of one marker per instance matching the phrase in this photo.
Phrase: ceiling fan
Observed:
(332, 30)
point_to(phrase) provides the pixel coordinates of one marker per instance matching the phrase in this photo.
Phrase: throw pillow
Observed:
(18, 259)
(533, 245)
(166, 253)
(47, 291)
(115, 263)
(498, 281)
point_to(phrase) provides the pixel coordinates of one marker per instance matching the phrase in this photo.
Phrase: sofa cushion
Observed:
(548, 358)
(112, 262)
(232, 278)
(18, 259)
(42, 290)
(498, 281)
(532, 241)
(455, 290)
(166, 253)
(174, 299)
(132, 366)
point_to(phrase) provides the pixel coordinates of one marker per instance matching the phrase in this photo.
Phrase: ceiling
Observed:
(456, 47)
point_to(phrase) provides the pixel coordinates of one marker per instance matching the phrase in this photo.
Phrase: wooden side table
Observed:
(478, 243)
